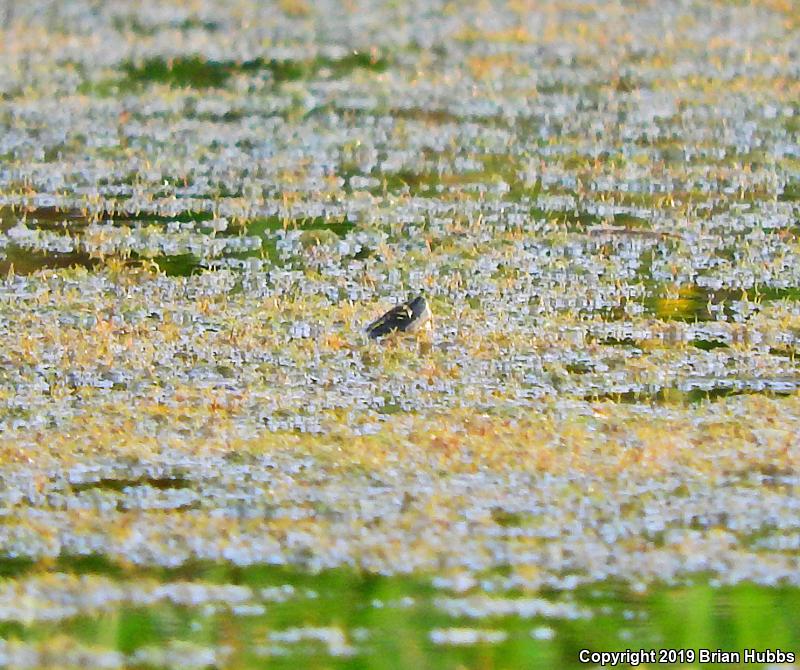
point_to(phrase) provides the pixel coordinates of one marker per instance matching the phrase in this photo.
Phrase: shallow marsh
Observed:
(204, 462)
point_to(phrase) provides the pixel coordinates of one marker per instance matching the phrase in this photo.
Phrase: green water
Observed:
(388, 622)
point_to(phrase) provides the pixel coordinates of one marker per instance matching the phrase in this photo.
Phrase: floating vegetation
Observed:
(202, 207)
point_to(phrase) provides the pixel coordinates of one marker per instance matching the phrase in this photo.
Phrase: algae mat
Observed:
(203, 460)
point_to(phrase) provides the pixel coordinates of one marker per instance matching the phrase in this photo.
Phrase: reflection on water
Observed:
(214, 615)
(690, 304)
(25, 261)
(179, 245)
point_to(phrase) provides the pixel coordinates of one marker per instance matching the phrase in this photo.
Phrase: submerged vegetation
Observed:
(204, 462)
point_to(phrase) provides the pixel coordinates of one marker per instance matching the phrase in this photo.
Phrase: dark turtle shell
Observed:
(401, 318)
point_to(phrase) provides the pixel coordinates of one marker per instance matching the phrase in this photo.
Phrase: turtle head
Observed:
(418, 304)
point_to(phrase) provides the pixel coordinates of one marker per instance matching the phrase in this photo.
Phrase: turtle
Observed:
(408, 317)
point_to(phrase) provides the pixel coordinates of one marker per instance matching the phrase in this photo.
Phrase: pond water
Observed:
(231, 617)
(203, 204)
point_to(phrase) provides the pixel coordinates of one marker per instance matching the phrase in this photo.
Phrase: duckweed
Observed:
(204, 462)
